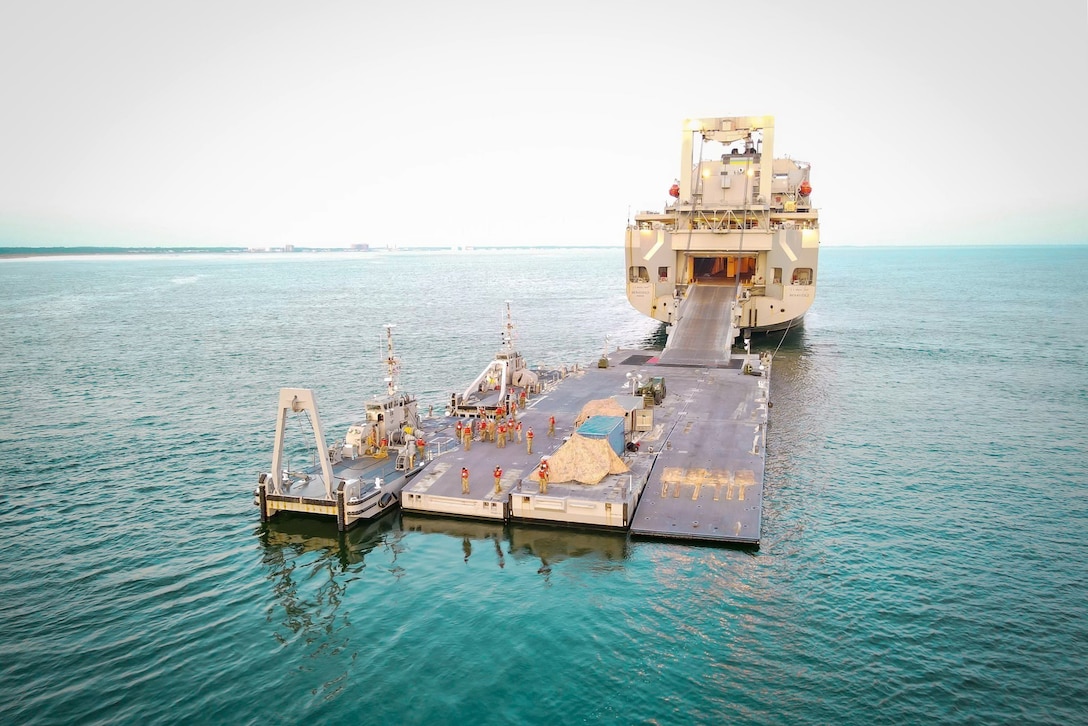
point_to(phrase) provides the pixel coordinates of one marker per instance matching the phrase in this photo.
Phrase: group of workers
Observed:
(542, 472)
(499, 427)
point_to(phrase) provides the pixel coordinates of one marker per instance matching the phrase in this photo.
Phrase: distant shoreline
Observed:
(15, 253)
(35, 252)
(25, 252)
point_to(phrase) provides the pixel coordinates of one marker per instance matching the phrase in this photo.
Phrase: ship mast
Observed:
(392, 363)
(508, 331)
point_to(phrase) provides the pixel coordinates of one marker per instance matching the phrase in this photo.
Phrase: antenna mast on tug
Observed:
(508, 330)
(392, 364)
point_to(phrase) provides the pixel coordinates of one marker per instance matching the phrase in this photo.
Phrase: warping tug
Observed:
(740, 219)
(359, 477)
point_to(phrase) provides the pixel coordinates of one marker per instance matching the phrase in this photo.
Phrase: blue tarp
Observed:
(605, 427)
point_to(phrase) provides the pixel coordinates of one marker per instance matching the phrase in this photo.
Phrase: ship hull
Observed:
(794, 324)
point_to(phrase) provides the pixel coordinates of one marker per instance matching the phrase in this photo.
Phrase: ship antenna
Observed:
(392, 365)
(508, 330)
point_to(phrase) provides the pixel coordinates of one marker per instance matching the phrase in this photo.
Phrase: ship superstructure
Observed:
(739, 218)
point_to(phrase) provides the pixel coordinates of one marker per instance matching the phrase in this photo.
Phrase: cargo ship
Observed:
(739, 230)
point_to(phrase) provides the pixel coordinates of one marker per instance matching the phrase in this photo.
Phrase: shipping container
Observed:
(605, 427)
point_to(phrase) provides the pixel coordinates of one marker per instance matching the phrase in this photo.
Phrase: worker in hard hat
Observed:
(542, 472)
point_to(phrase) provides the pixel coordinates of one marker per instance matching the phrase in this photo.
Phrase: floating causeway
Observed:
(697, 473)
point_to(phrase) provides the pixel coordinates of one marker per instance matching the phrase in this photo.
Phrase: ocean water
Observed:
(923, 555)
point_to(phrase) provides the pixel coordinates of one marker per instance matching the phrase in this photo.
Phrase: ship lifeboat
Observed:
(674, 191)
(805, 189)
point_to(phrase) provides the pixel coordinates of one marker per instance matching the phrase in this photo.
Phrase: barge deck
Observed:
(696, 471)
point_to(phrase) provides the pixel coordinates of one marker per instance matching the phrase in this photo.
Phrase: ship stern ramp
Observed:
(703, 333)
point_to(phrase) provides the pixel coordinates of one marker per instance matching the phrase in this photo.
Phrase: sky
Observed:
(259, 124)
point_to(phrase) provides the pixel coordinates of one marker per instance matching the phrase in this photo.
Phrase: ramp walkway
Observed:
(701, 335)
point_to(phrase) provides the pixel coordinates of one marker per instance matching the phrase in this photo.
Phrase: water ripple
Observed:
(922, 556)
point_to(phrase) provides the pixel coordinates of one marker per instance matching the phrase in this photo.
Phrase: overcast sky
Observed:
(332, 123)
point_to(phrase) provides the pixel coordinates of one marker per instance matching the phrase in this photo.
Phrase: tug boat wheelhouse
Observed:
(739, 217)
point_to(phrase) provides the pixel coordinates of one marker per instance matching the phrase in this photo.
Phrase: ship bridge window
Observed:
(802, 276)
(638, 274)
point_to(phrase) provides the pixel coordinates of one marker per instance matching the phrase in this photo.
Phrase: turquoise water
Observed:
(923, 552)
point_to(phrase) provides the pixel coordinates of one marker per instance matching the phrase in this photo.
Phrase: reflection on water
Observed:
(548, 544)
(470, 529)
(655, 339)
(302, 534)
(488, 535)
(323, 581)
(310, 565)
(553, 545)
